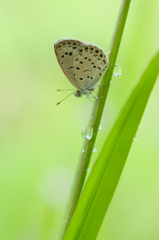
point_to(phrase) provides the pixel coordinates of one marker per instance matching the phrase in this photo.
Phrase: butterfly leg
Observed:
(102, 86)
(88, 97)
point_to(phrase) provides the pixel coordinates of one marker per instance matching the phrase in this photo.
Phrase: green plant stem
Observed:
(95, 119)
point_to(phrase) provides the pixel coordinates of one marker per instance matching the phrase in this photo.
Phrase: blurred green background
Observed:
(41, 142)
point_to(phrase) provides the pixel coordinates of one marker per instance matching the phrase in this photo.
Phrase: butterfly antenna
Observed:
(64, 98)
(59, 90)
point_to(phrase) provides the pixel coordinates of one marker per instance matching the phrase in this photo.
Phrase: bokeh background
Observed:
(41, 142)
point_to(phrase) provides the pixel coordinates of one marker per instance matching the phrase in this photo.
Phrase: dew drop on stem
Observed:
(117, 70)
(94, 149)
(100, 127)
(87, 132)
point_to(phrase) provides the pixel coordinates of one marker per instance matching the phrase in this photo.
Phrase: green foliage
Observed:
(107, 170)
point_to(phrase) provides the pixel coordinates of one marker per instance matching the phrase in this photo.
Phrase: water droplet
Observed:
(94, 149)
(108, 53)
(152, 92)
(100, 127)
(117, 70)
(83, 150)
(135, 138)
(110, 82)
(88, 170)
(96, 98)
(87, 132)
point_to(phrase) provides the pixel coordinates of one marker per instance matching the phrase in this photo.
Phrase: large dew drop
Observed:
(117, 70)
(87, 132)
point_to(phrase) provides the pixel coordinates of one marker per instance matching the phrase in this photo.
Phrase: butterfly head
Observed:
(78, 93)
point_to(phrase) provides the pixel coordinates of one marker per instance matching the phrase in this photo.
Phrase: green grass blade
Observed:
(105, 175)
(94, 120)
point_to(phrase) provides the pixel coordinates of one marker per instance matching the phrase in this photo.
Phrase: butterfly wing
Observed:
(65, 50)
(90, 63)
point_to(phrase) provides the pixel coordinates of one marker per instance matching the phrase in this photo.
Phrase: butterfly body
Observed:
(86, 92)
(82, 63)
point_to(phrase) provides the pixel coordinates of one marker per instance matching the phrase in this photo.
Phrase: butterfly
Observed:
(82, 63)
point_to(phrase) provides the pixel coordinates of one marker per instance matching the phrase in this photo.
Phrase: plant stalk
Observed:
(94, 120)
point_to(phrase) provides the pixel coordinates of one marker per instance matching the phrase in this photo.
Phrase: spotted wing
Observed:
(90, 63)
(65, 51)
